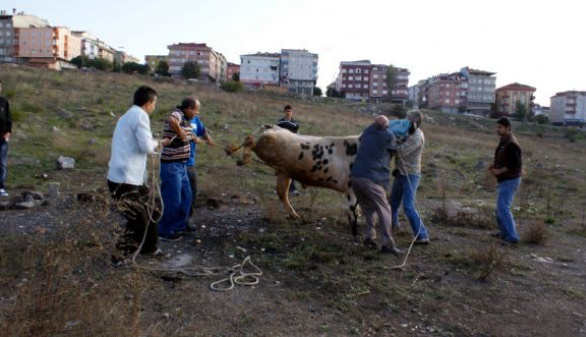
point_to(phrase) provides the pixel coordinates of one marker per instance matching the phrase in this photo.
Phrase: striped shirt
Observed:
(177, 151)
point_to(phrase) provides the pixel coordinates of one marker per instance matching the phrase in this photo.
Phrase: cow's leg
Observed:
(283, 183)
(352, 213)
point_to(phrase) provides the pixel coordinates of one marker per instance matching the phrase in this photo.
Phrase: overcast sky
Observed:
(536, 43)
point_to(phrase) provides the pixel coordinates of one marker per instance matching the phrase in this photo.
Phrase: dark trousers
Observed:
(3, 160)
(192, 174)
(131, 201)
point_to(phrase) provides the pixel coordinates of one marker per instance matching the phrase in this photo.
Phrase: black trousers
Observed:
(131, 201)
(192, 174)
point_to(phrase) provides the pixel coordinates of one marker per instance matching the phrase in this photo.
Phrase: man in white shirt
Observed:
(131, 144)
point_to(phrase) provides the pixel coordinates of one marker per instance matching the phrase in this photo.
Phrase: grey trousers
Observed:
(372, 198)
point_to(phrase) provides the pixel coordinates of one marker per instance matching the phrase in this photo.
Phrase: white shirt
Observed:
(131, 144)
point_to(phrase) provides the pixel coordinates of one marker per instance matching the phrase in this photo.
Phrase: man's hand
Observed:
(210, 141)
(196, 140)
(7, 136)
(165, 141)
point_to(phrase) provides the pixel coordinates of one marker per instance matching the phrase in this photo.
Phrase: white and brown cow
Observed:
(313, 161)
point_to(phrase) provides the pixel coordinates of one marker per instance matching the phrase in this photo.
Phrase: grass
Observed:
(70, 291)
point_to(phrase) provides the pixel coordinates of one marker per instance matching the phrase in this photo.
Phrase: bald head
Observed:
(381, 121)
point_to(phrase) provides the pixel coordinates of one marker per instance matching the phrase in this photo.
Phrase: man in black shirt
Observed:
(5, 134)
(287, 122)
(507, 169)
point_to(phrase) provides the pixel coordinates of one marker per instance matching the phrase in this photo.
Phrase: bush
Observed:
(231, 86)
(541, 119)
(399, 111)
(537, 234)
(190, 70)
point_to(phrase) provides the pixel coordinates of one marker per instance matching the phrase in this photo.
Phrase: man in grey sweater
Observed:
(407, 177)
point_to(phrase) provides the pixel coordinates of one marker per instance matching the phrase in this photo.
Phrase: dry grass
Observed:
(537, 234)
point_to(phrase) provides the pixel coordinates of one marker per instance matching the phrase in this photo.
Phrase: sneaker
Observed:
(171, 237)
(3, 193)
(370, 243)
(295, 192)
(391, 250)
(117, 261)
(422, 241)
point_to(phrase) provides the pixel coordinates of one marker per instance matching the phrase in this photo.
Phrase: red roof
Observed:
(516, 87)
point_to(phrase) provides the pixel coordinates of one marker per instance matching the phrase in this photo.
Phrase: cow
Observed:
(313, 161)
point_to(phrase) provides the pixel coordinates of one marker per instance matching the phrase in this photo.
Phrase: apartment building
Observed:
(6, 38)
(447, 92)
(568, 108)
(48, 47)
(354, 80)
(121, 57)
(93, 47)
(298, 71)
(481, 90)
(508, 96)
(212, 64)
(260, 69)
(378, 84)
(153, 61)
(231, 69)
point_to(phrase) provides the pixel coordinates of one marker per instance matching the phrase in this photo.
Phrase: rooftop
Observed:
(263, 54)
(517, 86)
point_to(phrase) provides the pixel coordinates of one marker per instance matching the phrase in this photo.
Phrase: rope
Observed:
(237, 274)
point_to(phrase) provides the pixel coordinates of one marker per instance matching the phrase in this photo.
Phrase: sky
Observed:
(540, 44)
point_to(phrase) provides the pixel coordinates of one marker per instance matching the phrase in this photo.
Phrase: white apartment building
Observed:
(298, 71)
(260, 69)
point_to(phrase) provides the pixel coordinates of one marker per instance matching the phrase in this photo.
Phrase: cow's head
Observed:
(246, 154)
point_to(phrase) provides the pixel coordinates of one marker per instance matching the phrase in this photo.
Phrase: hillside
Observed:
(56, 280)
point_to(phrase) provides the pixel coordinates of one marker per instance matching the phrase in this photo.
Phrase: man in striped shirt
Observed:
(175, 188)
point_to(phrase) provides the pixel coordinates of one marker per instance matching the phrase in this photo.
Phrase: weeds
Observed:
(537, 234)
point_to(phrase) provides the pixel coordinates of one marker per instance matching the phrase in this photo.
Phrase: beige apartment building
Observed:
(212, 64)
(46, 46)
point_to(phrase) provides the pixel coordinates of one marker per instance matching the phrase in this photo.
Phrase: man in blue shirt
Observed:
(200, 131)
(371, 181)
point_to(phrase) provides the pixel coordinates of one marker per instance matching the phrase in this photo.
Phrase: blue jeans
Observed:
(506, 193)
(405, 189)
(3, 161)
(176, 194)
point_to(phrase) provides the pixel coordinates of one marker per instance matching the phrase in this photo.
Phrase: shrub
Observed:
(231, 86)
(399, 111)
(541, 119)
(537, 234)
(487, 259)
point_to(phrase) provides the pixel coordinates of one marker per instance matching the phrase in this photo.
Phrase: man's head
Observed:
(503, 126)
(381, 121)
(415, 117)
(288, 111)
(190, 107)
(146, 98)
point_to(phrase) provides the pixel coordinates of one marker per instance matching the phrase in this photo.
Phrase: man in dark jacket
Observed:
(507, 169)
(5, 134)
(287, 122)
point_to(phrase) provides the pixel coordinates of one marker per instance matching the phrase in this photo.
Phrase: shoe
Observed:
(3, 193)
(188, 229)
(370, 243)
(296, 192)
(171, 237)
(422, 241)
(156, 253)
(391, 250)
(117, 261)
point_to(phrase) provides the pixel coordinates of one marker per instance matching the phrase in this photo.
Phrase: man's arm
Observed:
(412, 144)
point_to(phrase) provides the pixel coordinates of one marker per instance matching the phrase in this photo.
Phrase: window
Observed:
(447, 101)
(351, 78)
(366, 71)
(344, 70)
(358, 71)
(384, 92)
(351, 71)
(350, 86)
(375, 76)
(365, 86)
(358, 86)
(359, 78)
(374, 91)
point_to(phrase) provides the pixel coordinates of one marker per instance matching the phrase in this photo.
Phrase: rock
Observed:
(56, 129)
(54, 190)
(65, 163)
(25, 205)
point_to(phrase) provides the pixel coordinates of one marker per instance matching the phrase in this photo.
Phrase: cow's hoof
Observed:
(357, 239)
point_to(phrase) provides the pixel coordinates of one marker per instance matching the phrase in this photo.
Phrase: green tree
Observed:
(399, 111)
(317, 91)
(520, 111)
(190, 70)
(231, 86)
(133, 67)
(236, 77)
(162, 68)
(541, 119)
(101, 64)
(80, 61)
(391, 79)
